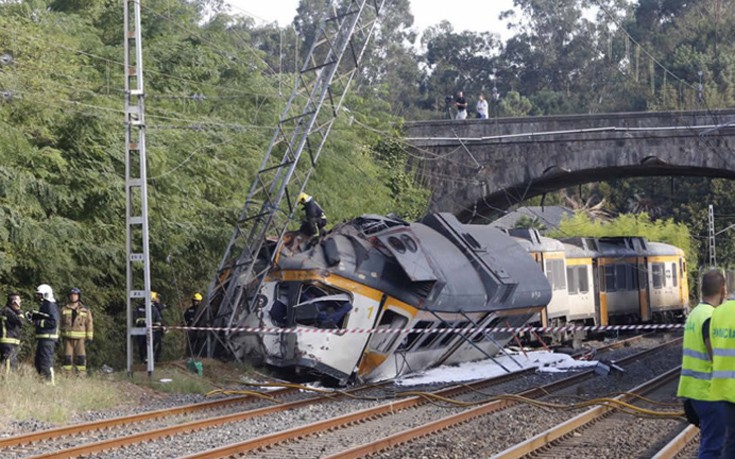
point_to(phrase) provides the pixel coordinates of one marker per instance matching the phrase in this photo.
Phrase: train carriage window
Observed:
(480, 336)
(572, 284)
(382, 342)
(583, 281)
(633, 278)
(555, 274)
(657, 275)
(448, 336)
(610, 285)
(674, 277)
(433, 336)
(621, 276)
(415, 335)
(322, 306)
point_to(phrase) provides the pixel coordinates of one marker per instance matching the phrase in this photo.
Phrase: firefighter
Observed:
(46, 320)
(11, 320)
(157, 320)
(76, 329)
(314, 218)
(189, 317)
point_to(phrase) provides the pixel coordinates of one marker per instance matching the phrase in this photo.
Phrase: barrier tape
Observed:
(338, 331)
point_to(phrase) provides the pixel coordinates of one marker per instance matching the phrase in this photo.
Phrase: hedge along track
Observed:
(141, 437)
(318, 437)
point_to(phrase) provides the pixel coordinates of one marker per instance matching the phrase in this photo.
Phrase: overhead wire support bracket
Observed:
(236, 284)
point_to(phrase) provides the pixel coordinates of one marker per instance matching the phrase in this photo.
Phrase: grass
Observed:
(25, 396)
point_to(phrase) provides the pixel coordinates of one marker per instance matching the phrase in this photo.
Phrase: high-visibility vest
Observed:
(696, 366)
(722, 337)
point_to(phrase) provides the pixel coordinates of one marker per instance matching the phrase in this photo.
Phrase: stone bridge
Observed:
(478, 167)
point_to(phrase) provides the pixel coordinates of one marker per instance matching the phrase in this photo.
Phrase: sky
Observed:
(473, 15)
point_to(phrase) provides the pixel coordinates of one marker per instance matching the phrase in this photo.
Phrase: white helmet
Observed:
(46, 291)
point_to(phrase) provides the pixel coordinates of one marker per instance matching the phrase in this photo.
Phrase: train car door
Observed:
(644, 295)
(598, 278)
(539, 257)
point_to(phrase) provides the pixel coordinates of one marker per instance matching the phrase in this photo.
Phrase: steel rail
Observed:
(201, 424)
(372, 413)
(466, 416)
(584, 419)
(678, 444)
(130, 419)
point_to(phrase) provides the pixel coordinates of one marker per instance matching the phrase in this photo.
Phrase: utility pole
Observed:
(711, 238)
(136, 190)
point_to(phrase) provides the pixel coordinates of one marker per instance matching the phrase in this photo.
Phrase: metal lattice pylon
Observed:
(136, 190)
(318, 92)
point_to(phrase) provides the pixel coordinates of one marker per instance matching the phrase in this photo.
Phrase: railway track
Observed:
(333, 438)
(597, 431)
(130, 430)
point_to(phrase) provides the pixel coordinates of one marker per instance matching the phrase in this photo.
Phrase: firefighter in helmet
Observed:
(189, 318)
(76, 332)
(314, 219)
(46, 320)
(157, 324)
(11, 320)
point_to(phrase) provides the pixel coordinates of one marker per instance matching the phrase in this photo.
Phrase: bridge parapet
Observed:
(477, 167)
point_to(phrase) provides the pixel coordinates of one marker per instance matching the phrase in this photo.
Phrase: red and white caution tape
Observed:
(516, 330)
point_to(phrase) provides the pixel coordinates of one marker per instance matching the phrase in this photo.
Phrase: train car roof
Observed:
(532, 241)
(437, 264)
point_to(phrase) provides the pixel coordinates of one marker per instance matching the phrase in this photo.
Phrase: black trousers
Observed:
(45, 357)
(157, 345)
(8, 357)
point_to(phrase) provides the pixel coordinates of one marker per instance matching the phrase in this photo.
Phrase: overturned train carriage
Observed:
(381, 273)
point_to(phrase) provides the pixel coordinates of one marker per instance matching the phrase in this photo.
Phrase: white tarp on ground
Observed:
(545, 361)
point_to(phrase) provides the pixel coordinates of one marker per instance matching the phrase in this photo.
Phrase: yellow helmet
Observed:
(197, 297)
(154, 296)
(303, 198)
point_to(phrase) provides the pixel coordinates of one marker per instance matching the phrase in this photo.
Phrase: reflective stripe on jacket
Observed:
(722, 337)
(696, 366)
(10, 324)
(48, 326)
(76, 322)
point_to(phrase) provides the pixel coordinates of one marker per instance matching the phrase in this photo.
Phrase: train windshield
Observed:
(315, 305)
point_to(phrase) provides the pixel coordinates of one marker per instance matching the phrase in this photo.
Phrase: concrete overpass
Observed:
(476, 167)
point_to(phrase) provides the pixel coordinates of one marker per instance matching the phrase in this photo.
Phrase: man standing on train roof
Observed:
(314, 219)
(697, 368)
(722, 386)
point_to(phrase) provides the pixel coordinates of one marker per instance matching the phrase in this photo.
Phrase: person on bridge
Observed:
(696, 368)
(314, 219)
(461, 103)
(722, 386)
(482, 108)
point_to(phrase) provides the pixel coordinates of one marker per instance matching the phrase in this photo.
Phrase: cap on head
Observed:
(197, 297)
(303, 198)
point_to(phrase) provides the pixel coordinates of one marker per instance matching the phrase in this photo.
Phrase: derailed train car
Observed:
(375, 272)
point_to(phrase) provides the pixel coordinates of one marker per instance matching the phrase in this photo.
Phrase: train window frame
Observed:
(583, 274)
(385, 341)
(572, 284)
(658, 275)
(556, 274)
(621, 276)
(449, 336)
(674, 276)
(329, 291)
(413, 336)
(433, 337)
(610, 281)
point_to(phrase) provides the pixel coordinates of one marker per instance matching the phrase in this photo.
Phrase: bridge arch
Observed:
(477, 167)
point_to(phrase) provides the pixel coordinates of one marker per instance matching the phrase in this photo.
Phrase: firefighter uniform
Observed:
(76, 328)
(11, 321)
(46, 320)
(722, 338)
(140, 321)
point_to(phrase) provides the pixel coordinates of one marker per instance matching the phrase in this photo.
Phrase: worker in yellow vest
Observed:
(722, 387)
(696, 368)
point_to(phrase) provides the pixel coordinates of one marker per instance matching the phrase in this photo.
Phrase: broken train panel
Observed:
(377, 272)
